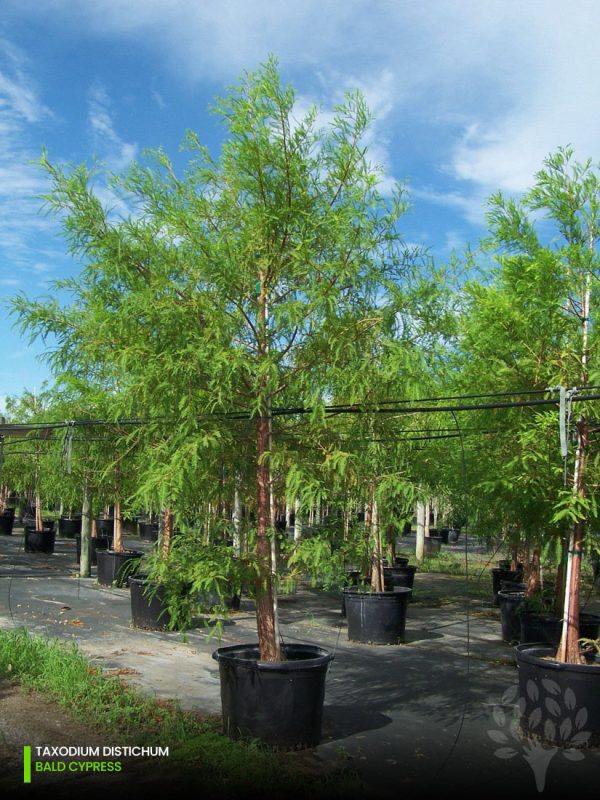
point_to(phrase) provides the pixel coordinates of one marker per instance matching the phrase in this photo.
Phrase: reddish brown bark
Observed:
(39, 523)
(534, 578)
(568, 649)
(559, 583)
(390, 541)
(269, 646)
(514, 556)
(118, 529)
(167, 532)
(377, 580)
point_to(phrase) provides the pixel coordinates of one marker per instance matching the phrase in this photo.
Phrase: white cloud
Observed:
(117, 152)
(496, 85)
(21, 182)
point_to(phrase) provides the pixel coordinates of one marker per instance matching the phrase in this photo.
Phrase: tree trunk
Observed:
(420, 548)
(390, 543)
(297, 521)
(568, 649)
(266, 623)
(118, 528)
(534, 578)
(237, 522)
(514, 553)
(39, 523)
(167, 532)
(288, 513)
(86, 533)
(377, 581)
(559, 583)
(347, 517)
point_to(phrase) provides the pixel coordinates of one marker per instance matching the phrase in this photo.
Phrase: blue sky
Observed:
(469, 97)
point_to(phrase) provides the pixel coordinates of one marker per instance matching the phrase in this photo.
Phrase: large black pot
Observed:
(433, 545)
(512, 586)
(559, 703)
(97, 544)
(453, 535)
(444, 535)
(209, 601)
(547, 628)
(105, 528)
(280, 703)
(377, 617)
(508, 575)
(398, 576)
(544, 628)
(7, 520)
(148, 531)
(38, 541)
(148, 612)
(114, 568)
(69, 527)
(511, 606)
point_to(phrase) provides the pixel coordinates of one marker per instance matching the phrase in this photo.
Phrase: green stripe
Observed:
(27, 764)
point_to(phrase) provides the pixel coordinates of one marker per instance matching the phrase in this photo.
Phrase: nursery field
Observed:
(396, 717)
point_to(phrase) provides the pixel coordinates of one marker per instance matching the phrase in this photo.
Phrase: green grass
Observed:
(123, 714)
(446, 563)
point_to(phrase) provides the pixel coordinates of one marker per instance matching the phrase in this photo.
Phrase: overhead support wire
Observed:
(401, 407)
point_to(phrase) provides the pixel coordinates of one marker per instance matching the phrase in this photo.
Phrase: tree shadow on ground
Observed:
(341, 721)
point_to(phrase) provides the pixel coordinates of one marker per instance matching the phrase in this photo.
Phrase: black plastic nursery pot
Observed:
(453, 535)
(38, 541)
(512, 586)
(69, 527)
(511, 606)
(97, 544)
(401, 561)
(114, 568)
(559, 703)
(547, 628)
(7, 521)
(507, 575)
(280, 703)
(398, 576)
(148, 531)
(148, 607)
(105, 528)
(544, 628)
(377, 617)
(210, 600)
(433, 545)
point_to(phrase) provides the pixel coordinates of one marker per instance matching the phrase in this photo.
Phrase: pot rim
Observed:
(397, 591)
(33, 529)
(401, 567)
(321, 657)
(535, 653)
